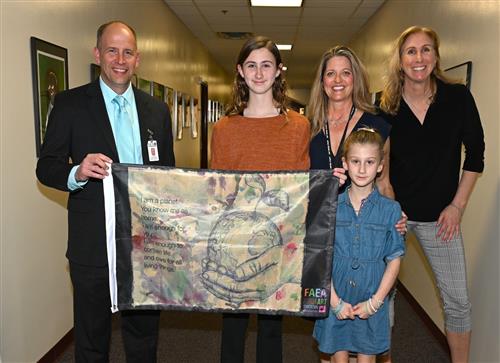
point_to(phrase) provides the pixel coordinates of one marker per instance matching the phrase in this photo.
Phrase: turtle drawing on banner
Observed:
(245, 252)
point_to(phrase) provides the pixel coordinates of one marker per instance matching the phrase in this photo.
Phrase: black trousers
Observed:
(269, 338)
(92, 320)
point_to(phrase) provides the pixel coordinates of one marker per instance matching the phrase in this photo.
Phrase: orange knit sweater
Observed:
(267, 144)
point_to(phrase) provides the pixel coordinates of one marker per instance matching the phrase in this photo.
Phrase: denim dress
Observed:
(364, 244)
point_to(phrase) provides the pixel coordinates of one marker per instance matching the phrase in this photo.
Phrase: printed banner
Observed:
(220, 241)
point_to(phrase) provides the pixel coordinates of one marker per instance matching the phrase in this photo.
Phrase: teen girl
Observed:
(258, 133)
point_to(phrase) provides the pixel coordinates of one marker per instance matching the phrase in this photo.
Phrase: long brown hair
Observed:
(393, 89)
(317, 109)
(241, 92)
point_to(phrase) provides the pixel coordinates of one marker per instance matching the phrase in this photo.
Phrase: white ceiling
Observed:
(312, 29)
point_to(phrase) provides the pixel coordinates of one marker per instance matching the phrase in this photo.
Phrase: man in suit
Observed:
(91, 126)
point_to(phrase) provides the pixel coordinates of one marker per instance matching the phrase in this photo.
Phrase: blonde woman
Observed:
(432, 119)
(340, 103)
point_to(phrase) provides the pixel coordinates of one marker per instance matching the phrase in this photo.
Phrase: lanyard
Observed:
(336, 158)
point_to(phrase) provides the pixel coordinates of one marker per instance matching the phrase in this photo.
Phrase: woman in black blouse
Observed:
(340, 103)
(431, 119)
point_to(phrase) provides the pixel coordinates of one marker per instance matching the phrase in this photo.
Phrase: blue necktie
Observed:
(124, 135)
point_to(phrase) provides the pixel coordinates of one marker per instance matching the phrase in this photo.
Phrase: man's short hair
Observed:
(103, 27)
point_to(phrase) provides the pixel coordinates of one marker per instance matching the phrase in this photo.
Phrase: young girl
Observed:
(366, 259)
(258, 133)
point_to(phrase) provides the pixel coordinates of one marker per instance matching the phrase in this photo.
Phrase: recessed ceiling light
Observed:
(287, 3)
(284, 46)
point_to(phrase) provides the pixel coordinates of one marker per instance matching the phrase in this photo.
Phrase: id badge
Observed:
(153, 150)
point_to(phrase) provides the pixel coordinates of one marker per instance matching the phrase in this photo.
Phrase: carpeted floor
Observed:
(195, 337)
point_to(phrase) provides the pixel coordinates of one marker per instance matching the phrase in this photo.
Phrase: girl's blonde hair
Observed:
(317, 109)
(393, 89)
(363, 136)
(241, 92)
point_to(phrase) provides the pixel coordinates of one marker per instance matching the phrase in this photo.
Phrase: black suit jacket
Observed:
(79, 125)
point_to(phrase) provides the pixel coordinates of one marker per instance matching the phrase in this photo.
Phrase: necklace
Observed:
(340, 120)
(428, 101)
(334, 160)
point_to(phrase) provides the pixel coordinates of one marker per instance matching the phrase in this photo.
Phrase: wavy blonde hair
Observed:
(393, 89)
(317, 109)
(241, 92)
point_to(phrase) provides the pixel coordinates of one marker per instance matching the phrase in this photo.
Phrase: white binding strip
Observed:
(109, 207)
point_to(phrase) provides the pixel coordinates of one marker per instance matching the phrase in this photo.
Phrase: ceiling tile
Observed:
(312, 32)
(282, 38)
(218, 11)
(238, 27)
(286, 29)
(278, 22)
(179, 2)
(239, 3)
(275, 12)
(337, 12)
(330, 3)
(183, 9)
(373, 3)
(365, 12)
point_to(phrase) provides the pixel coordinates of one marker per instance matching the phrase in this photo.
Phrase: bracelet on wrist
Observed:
(337, 309)
(378, 303)
(375, 304)
(371, 309)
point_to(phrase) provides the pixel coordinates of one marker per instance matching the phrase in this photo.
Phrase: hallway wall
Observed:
(36, 296)
(469, 30)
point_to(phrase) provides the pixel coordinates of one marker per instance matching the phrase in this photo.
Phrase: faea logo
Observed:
(317, 293)
(317, 297)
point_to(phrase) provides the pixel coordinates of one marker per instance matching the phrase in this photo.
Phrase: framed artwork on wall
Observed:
(172, 105)
(209, 111)
(145, 85)
(216, 111)
(376, 97)
(181, 103)
(461, 73)
(170, 101)
(95, 71)
(49, 66)
(193, 106)
(187, 110)
(158, 91)
(222, 108)
(169, 98)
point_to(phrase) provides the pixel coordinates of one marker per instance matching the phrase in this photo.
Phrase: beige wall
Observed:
(469, 30)
(36, 297)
